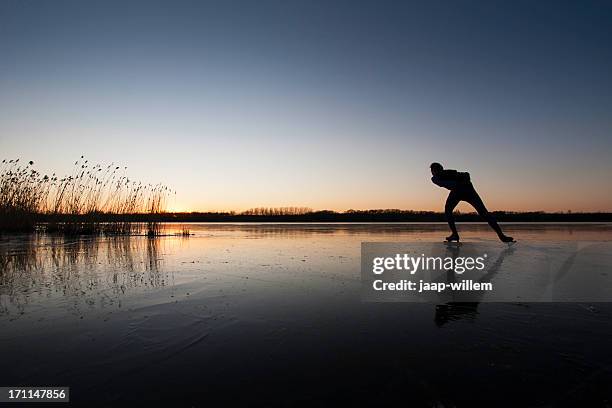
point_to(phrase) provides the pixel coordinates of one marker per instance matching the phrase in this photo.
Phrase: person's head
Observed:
(436, 168)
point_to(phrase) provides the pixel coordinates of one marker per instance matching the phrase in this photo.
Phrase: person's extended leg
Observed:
(451, 202)
(475, 200)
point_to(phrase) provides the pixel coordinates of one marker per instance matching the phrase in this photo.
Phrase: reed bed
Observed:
(93, 199)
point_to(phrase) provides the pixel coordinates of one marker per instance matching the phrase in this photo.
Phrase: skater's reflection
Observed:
(461, 310)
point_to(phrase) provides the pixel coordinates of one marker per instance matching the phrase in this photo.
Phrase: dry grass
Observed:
(94, 199)
(184, 232)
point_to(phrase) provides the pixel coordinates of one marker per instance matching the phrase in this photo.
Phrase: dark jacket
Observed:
(452, 180)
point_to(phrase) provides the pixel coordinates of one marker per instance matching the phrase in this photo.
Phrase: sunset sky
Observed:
(330, 104)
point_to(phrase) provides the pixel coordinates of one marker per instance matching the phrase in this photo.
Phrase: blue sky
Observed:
(323, 104)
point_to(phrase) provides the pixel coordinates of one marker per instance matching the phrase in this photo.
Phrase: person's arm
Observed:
(444, 182)
(437, 181)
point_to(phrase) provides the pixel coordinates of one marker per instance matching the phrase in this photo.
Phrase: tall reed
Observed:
(93, 199)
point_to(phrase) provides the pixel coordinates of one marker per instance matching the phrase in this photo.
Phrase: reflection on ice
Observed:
(275, 308)
(77, 273)
(87, 271)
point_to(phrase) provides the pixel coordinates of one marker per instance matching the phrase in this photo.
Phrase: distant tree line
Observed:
(277, 211)
(301, 214)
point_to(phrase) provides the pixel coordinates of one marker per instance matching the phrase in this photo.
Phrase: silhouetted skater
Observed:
(461, 189)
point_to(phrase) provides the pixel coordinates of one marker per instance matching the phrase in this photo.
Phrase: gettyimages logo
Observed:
(412, 264)
(486, 272)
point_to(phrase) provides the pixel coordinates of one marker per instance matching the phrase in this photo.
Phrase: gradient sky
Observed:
(322, 104)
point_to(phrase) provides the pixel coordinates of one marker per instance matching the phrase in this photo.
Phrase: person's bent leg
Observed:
(451, 202)
(476, 202)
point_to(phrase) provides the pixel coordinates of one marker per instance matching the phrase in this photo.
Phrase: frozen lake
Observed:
(273, 312)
